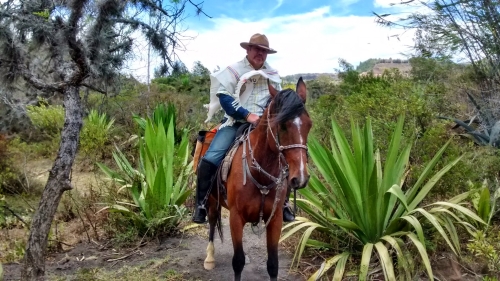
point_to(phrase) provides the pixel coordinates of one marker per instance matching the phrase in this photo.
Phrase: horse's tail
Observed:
(220, 193)
(218, 223)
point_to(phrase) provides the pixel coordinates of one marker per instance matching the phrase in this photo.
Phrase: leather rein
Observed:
(277, 181)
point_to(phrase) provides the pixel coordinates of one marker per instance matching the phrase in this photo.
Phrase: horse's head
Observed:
(289, 125)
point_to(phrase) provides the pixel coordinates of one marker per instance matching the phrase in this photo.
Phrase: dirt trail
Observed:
(81, 180)
(184, 254)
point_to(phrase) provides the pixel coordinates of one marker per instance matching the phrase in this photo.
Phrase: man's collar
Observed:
(247, 63)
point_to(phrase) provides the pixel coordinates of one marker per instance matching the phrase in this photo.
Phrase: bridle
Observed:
(278, 181)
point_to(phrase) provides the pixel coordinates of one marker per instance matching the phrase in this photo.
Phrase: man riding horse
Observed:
(249, 112)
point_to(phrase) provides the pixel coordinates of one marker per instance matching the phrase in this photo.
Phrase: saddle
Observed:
(241, 136)
(223, 170)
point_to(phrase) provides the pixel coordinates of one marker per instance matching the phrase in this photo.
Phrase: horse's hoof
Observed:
(209, 265)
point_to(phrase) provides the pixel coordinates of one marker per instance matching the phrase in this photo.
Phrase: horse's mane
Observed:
(287, 105)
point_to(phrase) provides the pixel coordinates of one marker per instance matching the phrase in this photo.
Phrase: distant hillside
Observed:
(376, 65)
(307, 76)
(379, 68)
(379, 65)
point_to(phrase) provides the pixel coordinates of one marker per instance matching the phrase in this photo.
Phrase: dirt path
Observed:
(184, 254)
(81, 180)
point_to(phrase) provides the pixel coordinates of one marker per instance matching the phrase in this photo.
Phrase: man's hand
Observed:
(253, 118)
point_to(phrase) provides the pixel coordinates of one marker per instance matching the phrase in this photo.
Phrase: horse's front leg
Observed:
(273, 233)
(236, 224)
(213, 220)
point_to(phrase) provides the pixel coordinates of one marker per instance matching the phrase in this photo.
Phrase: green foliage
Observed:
(323, 85)
(179, 69)
(8, 174)
(430, 141)
(200, 70)
(95, 133)
(485, 203)
(44, 14)
(486, 249)
(383, 98)
(8, 178)
(158, 186)
(349, 77)
(427, 70)
(185, 83)
(49, 119)
(355, 192)
(366, 65)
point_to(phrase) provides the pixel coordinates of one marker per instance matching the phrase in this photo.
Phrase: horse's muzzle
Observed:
(298, 183)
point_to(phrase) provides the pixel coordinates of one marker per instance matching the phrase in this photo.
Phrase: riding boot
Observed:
(288, 215)
(206, 173)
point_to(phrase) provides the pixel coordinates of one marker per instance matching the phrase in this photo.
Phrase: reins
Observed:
(278, 181)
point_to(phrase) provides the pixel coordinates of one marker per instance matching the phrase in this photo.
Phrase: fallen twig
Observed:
(124, 257)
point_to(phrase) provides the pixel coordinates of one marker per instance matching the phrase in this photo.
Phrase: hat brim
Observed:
(245, 45)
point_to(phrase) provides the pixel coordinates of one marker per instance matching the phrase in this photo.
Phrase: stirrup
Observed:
(288, 215)
(200, 215)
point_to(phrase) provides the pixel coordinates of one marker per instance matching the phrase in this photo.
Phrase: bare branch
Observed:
(94, 88)
(199, 8)
(39, 84)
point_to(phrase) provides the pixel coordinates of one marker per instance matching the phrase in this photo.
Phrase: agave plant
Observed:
(164, 114)
(488, 132)
(157, 186)
(354, 192)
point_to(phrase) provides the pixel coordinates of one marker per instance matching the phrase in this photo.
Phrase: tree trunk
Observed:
(59, 181)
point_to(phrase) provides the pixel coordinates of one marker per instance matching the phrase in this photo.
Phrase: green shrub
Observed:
(487, 249)
(7, 175)
(49, 119)
(95, 133)
(322, 110)
(12, 178)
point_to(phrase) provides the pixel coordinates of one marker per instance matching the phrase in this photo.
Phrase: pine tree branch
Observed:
(76, 52)
(94, 88)
(39, 83)
(199, 8)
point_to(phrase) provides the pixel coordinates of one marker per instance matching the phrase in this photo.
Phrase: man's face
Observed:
(256, 56)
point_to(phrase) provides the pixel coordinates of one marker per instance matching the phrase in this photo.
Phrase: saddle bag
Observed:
(203, 141)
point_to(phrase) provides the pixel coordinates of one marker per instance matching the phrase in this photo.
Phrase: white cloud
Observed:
(309, 42)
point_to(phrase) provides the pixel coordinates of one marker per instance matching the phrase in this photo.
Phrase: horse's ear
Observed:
(301, 89)
(272, 90)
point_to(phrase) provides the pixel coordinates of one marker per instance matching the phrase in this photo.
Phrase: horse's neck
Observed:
(262, 152)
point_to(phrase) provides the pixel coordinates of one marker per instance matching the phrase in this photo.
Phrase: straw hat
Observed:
(259, 40)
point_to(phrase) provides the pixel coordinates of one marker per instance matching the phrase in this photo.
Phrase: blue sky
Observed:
(309, 35)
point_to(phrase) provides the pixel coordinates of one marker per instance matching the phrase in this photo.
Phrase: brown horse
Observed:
(270, 162)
